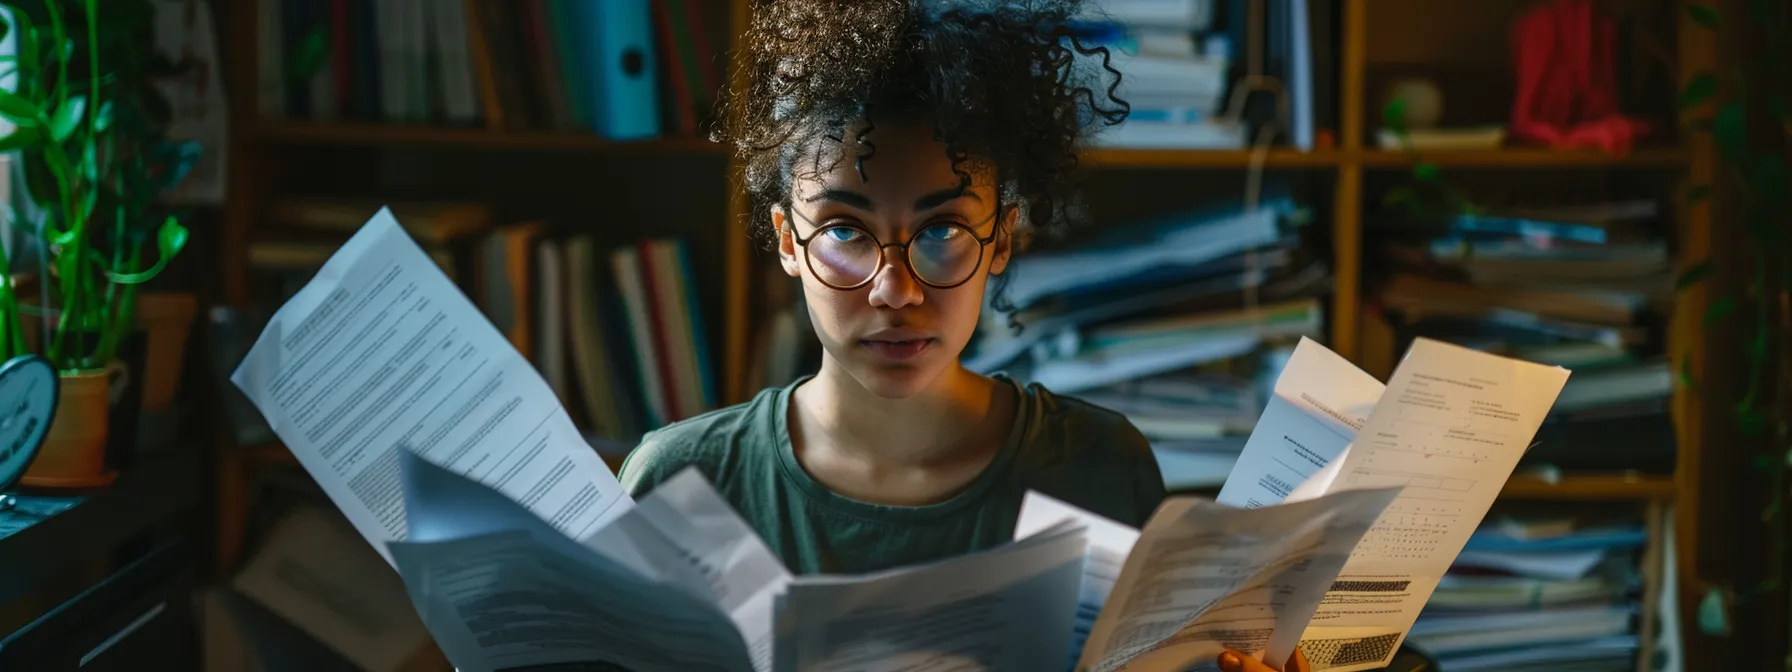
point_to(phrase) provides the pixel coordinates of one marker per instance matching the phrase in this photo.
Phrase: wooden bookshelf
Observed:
(300, 133)
(1100, 158)
(1372, 34)
(1595, 487)
(1527, 157)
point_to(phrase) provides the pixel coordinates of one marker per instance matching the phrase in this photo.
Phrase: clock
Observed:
(28, 393)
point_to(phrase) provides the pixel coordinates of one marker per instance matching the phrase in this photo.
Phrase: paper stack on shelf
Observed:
(1582, 287)
(1523, 596)
(1172, 321)
(1174, 80)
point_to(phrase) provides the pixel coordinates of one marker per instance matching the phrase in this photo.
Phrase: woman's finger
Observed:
(1233, 661)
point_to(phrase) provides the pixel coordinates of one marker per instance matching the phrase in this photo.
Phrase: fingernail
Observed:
(1230, 662)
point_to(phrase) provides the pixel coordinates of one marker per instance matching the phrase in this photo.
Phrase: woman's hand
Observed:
(1233, 661)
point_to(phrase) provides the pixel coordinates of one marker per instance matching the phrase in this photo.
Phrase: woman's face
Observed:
(893, 333)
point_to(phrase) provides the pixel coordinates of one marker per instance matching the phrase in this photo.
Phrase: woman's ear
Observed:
(1004, 242)
(786, 244)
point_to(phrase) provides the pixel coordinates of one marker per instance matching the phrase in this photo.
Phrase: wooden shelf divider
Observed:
(294, 133)
(1605, 487)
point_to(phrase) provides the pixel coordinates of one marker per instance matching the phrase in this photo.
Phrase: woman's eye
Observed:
(941, 232)
(843, 234)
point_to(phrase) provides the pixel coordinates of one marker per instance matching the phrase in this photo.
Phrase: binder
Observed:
(622, 67)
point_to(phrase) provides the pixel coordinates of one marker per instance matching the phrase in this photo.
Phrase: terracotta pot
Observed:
(74, 452)
(168, 318)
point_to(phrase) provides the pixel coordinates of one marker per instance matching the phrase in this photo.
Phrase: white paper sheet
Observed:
(500, 588)
(744, 576)
(1008, 608)
(1109, 543)
(1450, 428)
(1204, 577)
(380, 350)
(1320, 402)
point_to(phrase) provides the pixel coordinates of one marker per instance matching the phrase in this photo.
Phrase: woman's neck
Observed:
(924, 431)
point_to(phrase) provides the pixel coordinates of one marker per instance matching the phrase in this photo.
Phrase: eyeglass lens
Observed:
(940, 254)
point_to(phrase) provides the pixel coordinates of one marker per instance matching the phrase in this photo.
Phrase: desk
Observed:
(37, 540)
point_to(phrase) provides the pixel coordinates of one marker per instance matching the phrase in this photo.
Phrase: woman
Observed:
(897, 155)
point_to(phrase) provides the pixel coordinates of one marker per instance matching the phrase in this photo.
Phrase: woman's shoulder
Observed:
(1093, 457)
(1086, 423)
(710, 441)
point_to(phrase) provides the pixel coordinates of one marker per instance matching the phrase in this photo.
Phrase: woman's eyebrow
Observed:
(852, 198)
(941, 197)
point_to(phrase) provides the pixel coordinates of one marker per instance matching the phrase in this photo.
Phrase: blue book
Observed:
(621, 67)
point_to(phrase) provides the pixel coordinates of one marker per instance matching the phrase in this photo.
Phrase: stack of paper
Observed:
(1563, 600)
(452, 457)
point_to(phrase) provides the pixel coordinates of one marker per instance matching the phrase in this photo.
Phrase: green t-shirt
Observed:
(1077, 452)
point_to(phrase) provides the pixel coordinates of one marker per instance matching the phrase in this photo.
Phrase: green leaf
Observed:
(67, 117)
(103, 118)
(1705, 15)
(19, 111)
(1730, 129)
(309, 56)
(27, 34)
(20, 138)
(1719, 309)
(1427, 171)
(1764, 463)
(1714, 618)
(1393, 116)
(170, 239)
(1694, 275)
(1702, 87)
(1686, 378)
(1697, 194)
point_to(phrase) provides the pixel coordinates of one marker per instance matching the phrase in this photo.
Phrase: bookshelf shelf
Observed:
(395, 135)
(1106, 157)
(1528, 157)
(1602, 487)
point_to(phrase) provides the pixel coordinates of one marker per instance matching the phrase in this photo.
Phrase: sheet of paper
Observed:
(1320, 402)
(1007, 608)
(1321, 481)
(1109, 542)
(1449, 430)
(745, 577)
(1204, 577)
(501, 589)
(379, 350)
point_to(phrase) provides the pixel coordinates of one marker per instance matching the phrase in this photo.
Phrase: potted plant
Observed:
(89, 133)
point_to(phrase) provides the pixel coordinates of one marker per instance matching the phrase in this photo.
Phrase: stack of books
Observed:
(1585, 287)
(1179, 322)
(1553, 594)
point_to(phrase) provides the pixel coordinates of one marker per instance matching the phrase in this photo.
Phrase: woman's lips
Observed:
(898, 350)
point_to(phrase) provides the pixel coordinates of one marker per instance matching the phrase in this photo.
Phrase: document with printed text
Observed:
(1448, 429)
(1202, 577)
(381, 350)
(1320, 402)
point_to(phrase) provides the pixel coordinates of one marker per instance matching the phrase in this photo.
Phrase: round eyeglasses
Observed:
(942, 255)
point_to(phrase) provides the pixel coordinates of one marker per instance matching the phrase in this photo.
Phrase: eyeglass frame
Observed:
(809, 259)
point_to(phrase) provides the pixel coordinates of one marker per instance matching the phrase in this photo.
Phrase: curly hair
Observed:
(1000, 81)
